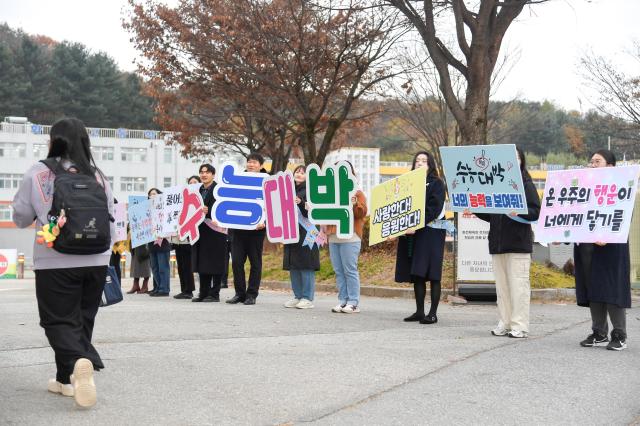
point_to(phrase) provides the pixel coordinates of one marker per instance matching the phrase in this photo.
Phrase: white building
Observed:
(366, 162)
(133, 160)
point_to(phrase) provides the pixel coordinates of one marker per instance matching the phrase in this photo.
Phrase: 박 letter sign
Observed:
(484, 178)
(588, 205)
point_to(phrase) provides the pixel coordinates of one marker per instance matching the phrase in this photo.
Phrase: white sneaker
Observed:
(292, 303)
(304, 304)
(83, 384)
(500, 330)
(518, 334)
(351, 309)
(337, 308)
(55, 386)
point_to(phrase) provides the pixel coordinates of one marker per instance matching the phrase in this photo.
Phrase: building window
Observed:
(110, 179)
(133, 184)
(13, 150)
(135, 155)
(168, 155)
(167, 182)
(10, 180)
(102, 153)
(40, 150)
(6, 213)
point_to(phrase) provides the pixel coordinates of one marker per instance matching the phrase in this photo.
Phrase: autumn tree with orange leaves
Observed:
(261, 75)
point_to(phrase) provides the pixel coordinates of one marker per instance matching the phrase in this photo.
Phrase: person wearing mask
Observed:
(183, 259)
(300, 261)
(344, 255)
(248, 244)
(159, 251)
(207, 254)
(603, 283)
(68, 286)
(420, 253)
(510, 246)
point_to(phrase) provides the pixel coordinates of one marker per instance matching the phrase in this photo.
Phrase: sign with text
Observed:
(330, 192)
(141, 223)
(484, 178)
(588, 205)
(8, 263)
(281, 209)
(120, 216)
(473, 262)
(397, 205)
(239, 198)
(191, 214)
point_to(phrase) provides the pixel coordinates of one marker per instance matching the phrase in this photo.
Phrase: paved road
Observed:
(179, 363)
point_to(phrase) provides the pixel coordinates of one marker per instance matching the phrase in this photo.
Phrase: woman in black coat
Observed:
(420, 253)
(208, 253)
(301, 262)
(511, 245)
(603, 281)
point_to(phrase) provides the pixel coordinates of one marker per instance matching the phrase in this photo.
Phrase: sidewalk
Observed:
(175, 362)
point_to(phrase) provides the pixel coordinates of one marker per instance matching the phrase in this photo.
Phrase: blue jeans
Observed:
(160, 269)
(344, 259)
(303, 283)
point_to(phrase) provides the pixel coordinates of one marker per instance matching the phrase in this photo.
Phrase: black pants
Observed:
(68, 301)
(183, 258)
(243, 246)
(225, 275)
(209, 285)
(115, 262)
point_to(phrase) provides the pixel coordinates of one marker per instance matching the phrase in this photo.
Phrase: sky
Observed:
(550, 39)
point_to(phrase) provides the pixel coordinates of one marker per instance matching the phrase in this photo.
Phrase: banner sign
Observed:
(397, 205)
(588, 205)
(141, 223)
(191, 214)
(239, 198)
(157, 215)
(8, 263)
(329, 193)
(120, 216)
(484, 178)
(280, 203)
(473, 262)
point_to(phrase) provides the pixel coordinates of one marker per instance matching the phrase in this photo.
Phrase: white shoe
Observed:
(351, 309)
(55, 386)
(304, 304)
(337, 308)
(500, 330)
(292, 303)
(83, 384)
(518, 334)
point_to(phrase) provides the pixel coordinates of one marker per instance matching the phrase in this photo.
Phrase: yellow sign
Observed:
(397, 205)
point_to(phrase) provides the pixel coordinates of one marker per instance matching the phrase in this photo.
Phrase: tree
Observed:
(260, 75)
(479, 35)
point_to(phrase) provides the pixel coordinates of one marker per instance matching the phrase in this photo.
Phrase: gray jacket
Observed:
(33, 202)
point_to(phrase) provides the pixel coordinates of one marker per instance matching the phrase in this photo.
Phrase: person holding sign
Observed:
(603, 282)
(420, 253)
(301, 261)
(159, 251)
(510, 246)
(183, 259)
(208, 253)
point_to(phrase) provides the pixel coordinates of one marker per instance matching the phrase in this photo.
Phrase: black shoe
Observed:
(429, 319)
(183, 296)
(250, 301)
(152, 292)
(159, 294)
(235, 299)
(209, 299)
(414, 317)
(618, 342)
(197, 299)
(594, 339)
(215, 298)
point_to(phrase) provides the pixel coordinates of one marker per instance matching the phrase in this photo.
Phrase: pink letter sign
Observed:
(191, 215)
(280, 203)
(588, 205)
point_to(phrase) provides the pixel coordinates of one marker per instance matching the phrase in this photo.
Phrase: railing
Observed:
(395, 164)
(121, 133)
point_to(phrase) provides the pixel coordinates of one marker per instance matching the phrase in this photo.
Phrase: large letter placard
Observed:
(280, 204)
(191, 215)
(239, 198)
(588, 205)
(484, 178)
(329, 192)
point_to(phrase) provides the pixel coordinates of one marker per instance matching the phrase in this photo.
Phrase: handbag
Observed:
(112, 292)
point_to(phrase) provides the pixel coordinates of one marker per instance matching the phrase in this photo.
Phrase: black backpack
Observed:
(87, 229)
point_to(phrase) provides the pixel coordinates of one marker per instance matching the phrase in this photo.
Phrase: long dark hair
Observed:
(523, 165)
(70, 141)
(194, 177)
(608, 156)
(431, 162)
(153, 189)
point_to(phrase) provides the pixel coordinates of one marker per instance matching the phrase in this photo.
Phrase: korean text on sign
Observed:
(239, 198)
(280, 204)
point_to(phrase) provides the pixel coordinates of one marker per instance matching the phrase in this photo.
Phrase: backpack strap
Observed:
(54, 165)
